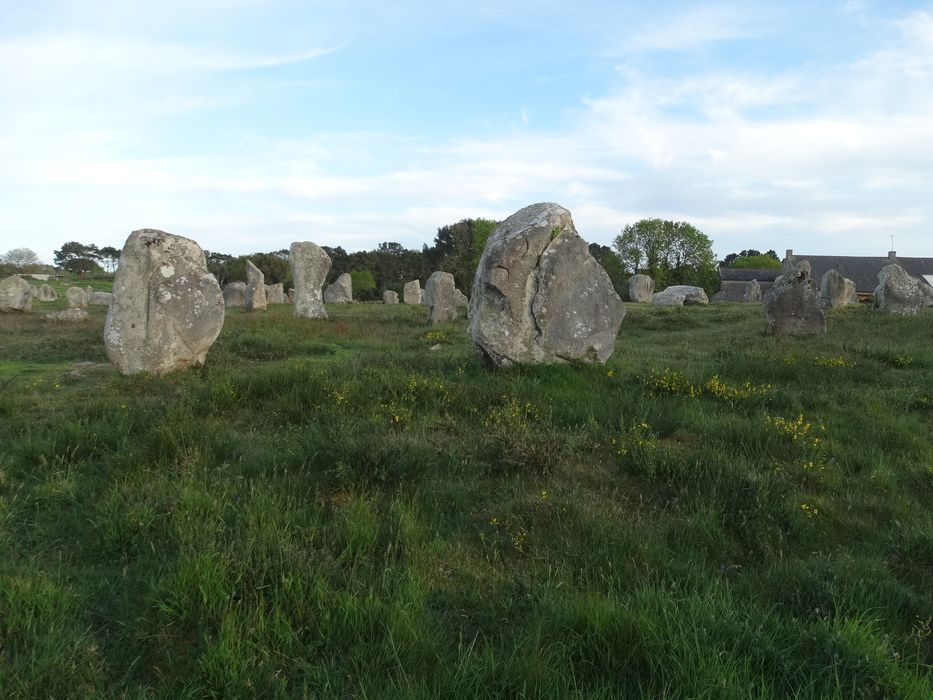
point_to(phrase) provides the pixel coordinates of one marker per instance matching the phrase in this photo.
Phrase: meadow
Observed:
(357, 507)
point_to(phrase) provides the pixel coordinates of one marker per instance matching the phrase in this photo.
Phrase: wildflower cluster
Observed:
(512, 529)
(798, 429)
(728, 392)
(902, 361)
(833, 362)
(670, 382)
(637, 439)
(809, 511)
(400, 409)
(512, 415)
(432, 337)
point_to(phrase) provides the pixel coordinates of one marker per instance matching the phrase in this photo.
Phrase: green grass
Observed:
(330, 508)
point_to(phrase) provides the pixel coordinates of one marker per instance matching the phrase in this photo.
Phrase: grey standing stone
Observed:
(167, 309)
(291, 296)
(72, 315)
(679, 295)
(255, 288)
(927, 293)
(89, 290)
(15, 295)
(389, 297)
(443, 307)
(792, 305)
(275, 294)
(46, 293)
(427, 294)
(310, 265)
(461, 298)
(77, 298)
(235, 295)
(640, 288)
(34, 292)
(101, 299)
(539, 296)
(738, 292)
(341, 291)
(411, 292)
(836, 291)
(897, 292)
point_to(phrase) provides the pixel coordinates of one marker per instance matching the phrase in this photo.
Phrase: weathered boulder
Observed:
(310, 265)
(89, 290)
(411, 292)
(926, 292)
(72, 315)
(15, 295)
(427, 294)
(255, 288)
(100, 299)
(389, 297)
(34, 292)
(836, 291)
(738, 292)
(275, 294)
(167, 308)
(679, 295)
(640, 288)
(77, 298)
(235, 295)
(341, 291)
(897, 292)
(443, 307)
(539, 296)
(291, 295)
(792, 305)
(46, 293)
(461, 298)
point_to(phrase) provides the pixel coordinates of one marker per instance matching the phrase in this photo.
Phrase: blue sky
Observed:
(247, 125)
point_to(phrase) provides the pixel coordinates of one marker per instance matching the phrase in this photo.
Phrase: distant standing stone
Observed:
(100, 299)
(927, 294)
(77, 298)
(167, 308)
(836, 291)
(738, 292)
(275, 294)
(411, 292)
(461, 298)
(679, 295)
(539, 296)
(443, 307)
(427, 294)
(46, 293)
(389, 297)
(72, 315)
(897, 292)
(341, 291)
(792, 305)
(291, 296)
(255, 288)
(640, 288)
(15, 295)
(235, 295)
(310, 264)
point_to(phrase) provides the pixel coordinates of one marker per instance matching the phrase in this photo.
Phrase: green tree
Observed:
(274, 269)
(752, 259)
(364, 285)
(669, 252)
(110, 257)
(611, 263)
(77, 257)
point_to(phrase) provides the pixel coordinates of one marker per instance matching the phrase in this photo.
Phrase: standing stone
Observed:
(46, 293)
(100, 299)
(792, 305)
(926, 292)
(539, 296)
(341, 291)
(427, 294)
(389, 297)
(310, 265)
(291, 296)
(33, 292)
(836, 291)
(443, 298)
(275, 293)
(738, 292)
(461, 298)
(255, 288)
(897, 292)
(77, 298)
(73, 314)
(680, 294)
(167, 308)
(89, 290)
(640, 288)
(235, 295)
(411, 292)
(15, 294)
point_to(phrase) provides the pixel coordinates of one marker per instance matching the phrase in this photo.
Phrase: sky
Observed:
(247, 124)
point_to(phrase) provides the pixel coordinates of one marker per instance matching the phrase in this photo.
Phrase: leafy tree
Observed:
(77, 257)
(110, 257)
(274, 269)
(755, 262)
(457, 249)
(364, 285)
(669, 252)
(611, 264)
(218, 264)
(20, 258)
(730, 259)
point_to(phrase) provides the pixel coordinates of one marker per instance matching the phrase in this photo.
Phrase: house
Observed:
(864, 270)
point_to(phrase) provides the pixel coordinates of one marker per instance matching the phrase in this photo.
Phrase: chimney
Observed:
(892, 255)
(789, 253)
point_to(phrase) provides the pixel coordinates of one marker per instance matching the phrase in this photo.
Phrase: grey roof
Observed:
(734, 274)
(862, 270)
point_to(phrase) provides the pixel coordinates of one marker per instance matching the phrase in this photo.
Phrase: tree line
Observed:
(669, 252)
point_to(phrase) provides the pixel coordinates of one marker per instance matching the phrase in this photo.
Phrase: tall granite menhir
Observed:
(310, 265)
(167, 309)
(539, 296)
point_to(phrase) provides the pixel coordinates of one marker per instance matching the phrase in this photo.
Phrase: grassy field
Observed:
(339, 508)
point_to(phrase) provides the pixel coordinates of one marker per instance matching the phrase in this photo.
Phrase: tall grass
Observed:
(339, 508)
